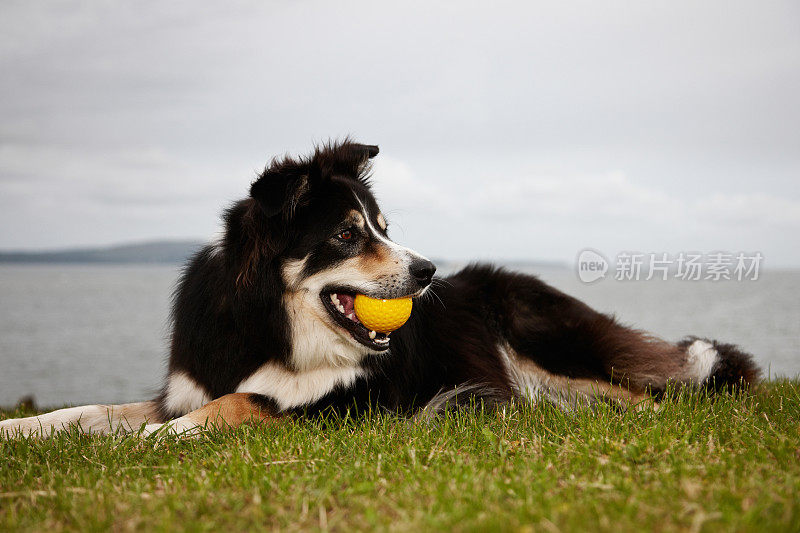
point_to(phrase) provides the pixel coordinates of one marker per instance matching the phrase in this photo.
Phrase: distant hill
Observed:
(177, 252)
(447, 266)
(145, 252)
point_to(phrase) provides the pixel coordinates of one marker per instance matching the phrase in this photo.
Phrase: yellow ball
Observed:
(383, 316)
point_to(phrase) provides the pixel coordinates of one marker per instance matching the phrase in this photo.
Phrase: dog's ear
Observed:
(370, 150)
(284, 183)
(261, 228)
(346, 159)
(280, 188)
(354, 158)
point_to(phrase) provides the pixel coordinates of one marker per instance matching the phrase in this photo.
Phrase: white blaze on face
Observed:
(404, 255)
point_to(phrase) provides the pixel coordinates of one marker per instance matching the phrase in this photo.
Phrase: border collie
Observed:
(256, 334)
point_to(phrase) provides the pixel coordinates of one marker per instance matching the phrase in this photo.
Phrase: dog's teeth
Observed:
(334, 299)
(340, 307)
(372, 334)
(351, 316)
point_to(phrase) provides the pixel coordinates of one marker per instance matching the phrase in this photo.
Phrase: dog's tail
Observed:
(717, 365)
(470, 394)
(88, 418)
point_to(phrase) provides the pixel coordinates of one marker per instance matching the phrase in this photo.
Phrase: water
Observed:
(78, 333)
(72, 334)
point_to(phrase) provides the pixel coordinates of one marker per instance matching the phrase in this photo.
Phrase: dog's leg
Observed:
(556, 344)
(228, 411)
(89, 418)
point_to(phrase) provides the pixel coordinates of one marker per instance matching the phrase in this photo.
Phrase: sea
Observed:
(89, 333)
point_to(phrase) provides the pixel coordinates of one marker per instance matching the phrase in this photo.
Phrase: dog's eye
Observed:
(346, 235)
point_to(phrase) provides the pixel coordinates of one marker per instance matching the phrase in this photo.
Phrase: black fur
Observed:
(229, 318)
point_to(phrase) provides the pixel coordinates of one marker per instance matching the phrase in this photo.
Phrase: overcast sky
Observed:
(519, 130)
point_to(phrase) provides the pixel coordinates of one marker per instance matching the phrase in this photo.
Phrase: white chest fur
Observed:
(293, 389)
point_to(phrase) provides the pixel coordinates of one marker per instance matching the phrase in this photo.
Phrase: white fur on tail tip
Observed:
(701, 358)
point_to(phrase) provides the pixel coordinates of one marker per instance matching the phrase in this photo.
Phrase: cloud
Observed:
(750, 209)
(558, 215)
(525, 130)
(53, 196)
(584, 198)
(151, 176)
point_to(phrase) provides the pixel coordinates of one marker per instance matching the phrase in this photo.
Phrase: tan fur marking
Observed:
(355, 217)
(586, 386)
(231, 410)
(377, 261)
(135, 414)
(381, 221)
(530, 379)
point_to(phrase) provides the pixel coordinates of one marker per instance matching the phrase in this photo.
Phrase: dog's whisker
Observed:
(433, 293)
(439, 282)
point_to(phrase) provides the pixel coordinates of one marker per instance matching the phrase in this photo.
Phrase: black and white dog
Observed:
(263, 322)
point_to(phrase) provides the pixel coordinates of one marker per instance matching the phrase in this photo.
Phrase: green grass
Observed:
(693, 465)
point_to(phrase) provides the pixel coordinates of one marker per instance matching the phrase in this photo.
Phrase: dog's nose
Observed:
(422, 270)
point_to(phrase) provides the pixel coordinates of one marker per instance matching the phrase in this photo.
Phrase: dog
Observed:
(263, 324)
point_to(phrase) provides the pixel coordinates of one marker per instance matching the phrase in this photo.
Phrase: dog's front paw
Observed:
(14, 428)
(179, 427)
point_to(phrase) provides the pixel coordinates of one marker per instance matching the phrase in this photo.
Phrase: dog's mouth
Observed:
(340, 305)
